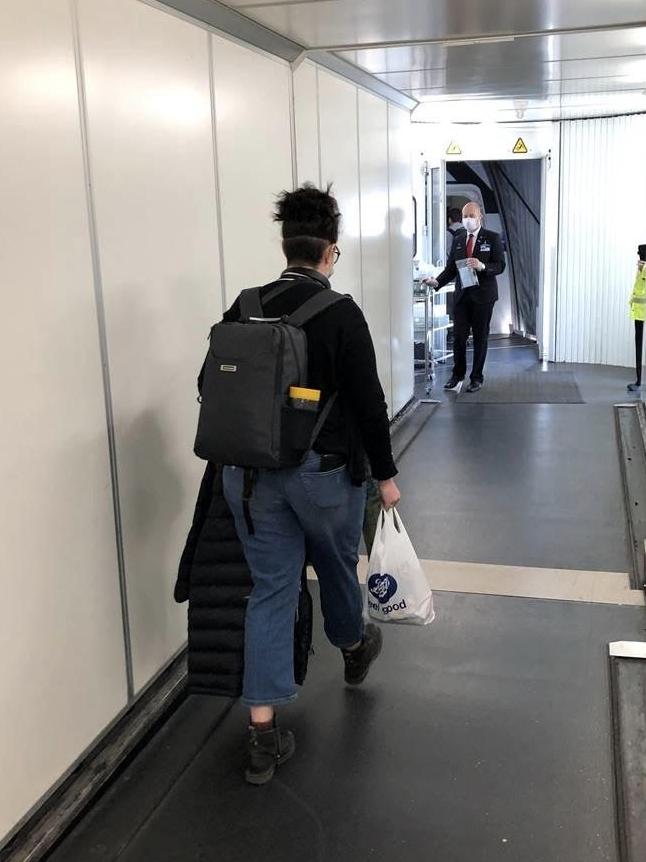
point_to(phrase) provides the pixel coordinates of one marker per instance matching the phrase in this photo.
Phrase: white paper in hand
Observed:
(397, 590)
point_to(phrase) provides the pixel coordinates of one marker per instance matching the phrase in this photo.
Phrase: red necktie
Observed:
(470, 243)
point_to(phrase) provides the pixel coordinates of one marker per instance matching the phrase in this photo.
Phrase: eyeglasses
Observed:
(337, 253)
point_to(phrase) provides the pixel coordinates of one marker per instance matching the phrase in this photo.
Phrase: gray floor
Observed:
(520, 484)
(482, 738)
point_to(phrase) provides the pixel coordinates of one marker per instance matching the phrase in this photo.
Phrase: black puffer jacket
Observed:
(214, 577)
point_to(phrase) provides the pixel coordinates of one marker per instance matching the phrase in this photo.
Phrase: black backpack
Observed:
(246, 419)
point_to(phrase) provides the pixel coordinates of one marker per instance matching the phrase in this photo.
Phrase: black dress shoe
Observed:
(452, 383)
(474, 386)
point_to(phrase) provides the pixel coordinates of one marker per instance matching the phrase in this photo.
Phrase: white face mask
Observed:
(471, 224)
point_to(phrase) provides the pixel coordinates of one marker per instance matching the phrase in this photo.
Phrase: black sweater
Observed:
(341, 358)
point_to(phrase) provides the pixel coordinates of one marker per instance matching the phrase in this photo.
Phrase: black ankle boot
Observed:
(267, 750)
(358, 661)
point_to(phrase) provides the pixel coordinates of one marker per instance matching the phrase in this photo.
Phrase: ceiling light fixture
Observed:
(476, 40)
(521, 106)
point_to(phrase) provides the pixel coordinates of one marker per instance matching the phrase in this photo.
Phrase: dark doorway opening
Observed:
(510, 194)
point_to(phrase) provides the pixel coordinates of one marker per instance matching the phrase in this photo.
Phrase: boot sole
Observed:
(258, 779)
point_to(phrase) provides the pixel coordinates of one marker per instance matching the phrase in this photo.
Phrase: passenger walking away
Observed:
(476, 258)
(313, 510)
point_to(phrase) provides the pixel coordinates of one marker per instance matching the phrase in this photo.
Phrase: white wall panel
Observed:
(401, 255)
(254, 160)
(375, 245)
(62, 665)
(306, 115)
(151, 149)
(603, 185)
(340, 166)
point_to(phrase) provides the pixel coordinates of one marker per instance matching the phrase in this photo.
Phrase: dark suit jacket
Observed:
(489, 250)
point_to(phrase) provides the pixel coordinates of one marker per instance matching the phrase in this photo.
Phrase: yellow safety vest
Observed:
(638, 299)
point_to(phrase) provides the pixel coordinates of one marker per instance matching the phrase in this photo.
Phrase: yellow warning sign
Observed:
(519, 147)
(453, 149)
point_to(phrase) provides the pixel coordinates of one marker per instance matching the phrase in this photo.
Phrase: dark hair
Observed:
(310, 223)
(455, 214)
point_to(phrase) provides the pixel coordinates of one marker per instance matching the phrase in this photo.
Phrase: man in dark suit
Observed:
(476, 256)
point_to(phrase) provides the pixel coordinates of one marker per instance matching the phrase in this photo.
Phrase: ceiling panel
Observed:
(532, 68)
(552, 108)
(334, 23)
(500, 78)
(554, 88)
(517, 53)
(529, 57)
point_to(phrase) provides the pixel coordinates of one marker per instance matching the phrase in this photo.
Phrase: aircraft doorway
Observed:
(510, 194)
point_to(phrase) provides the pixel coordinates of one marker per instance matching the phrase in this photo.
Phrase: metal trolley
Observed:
(431, 330)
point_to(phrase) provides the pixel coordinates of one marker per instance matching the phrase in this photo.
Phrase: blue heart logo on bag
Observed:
(382, 587)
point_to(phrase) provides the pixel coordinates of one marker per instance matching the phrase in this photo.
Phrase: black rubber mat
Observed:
(485, 737)
(526, 387)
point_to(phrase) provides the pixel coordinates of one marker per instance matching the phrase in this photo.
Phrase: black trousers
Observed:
(470, 316)
(639, 341)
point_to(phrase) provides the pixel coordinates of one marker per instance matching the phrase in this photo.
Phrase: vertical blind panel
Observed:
(601, 222)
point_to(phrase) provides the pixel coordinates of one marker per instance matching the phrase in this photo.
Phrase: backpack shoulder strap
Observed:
(277, 290)
(322, 418)
(250, 304)
(315, 305)
(252, 300)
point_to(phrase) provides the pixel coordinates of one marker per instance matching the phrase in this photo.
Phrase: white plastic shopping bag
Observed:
(397, 590)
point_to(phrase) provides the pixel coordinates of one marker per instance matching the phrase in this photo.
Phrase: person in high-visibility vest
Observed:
(638, 314)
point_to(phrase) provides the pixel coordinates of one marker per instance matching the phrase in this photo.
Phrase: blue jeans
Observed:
(297, 513)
